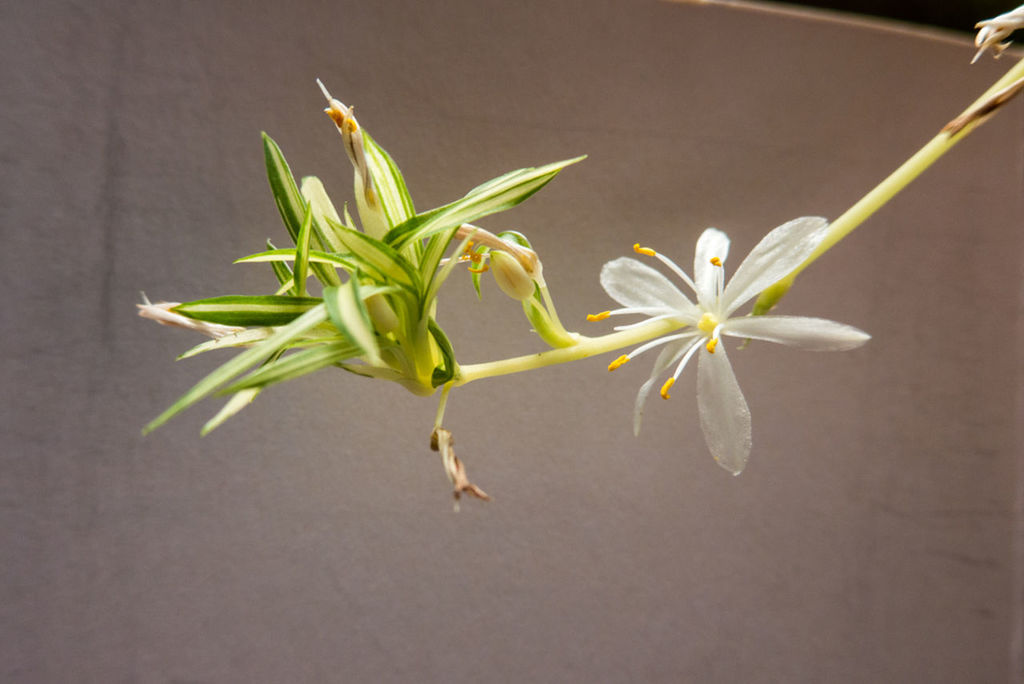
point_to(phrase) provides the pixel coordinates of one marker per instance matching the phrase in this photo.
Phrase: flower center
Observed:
(707, 324)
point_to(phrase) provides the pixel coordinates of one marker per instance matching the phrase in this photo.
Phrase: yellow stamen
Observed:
(599, 316)
(482, 269)
(666, 387)
(647, 251)
(715, 261)
(617, 362)
(712, 343)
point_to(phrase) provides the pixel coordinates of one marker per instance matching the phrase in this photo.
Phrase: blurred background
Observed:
(875, 536)
(960, 16)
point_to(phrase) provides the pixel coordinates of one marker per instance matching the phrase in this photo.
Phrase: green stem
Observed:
(584, 348)
(445, 391)
(886, 190)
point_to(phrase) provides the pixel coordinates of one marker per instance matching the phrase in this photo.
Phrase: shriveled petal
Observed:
(668, 356)
(778, 253)
(711, 243)
(814, 334)
(637, 285)
(724, 416)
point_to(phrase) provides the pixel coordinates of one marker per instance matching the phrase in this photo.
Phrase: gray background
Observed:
(875, 535)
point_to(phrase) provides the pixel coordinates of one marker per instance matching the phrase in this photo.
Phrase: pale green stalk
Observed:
(887, 189)
(584, 348)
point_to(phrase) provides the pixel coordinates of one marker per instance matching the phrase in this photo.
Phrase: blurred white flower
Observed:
(993, 31)
(724, 416)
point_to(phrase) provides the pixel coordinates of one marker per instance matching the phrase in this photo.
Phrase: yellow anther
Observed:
(666, 387)
(618, 362)
(712, 343)
(482, 269)
(647, 251)
(599, 316)
(715, 261)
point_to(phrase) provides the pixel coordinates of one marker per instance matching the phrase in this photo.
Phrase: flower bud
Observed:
(510, 275)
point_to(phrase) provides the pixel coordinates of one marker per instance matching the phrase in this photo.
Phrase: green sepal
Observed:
(248, 310)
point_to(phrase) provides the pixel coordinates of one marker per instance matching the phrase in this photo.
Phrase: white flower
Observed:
(993, 31)
(724, 416)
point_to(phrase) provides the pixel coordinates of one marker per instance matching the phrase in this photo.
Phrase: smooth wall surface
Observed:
(875, 535)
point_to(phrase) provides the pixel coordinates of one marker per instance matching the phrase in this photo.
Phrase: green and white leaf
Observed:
(290, 202)
(384, 263)
(235, 404)
(347, 311)
(391, 189)
(496, 195)
(248, 310)
(315, 194)
(244, 338)
(285, 255)
(295, 365)
(302, 253)
(241, 363)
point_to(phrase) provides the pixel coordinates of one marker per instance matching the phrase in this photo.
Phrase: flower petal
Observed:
(711, 243)
(637, 285)
(814, 334)
(724, 416)
(778, 253)
(668, 356)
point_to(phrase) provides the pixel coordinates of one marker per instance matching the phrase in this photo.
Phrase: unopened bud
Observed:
(510, 276)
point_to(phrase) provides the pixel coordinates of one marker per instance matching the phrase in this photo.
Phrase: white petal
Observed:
(814, 334)
(668, 356)
(778, 253)
(637, 285)
(724, 415)
(711, 243)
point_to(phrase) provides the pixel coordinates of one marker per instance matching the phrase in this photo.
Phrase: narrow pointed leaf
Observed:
(348, 313)
(496, 195)
(244, 338)
(286, 255)
(388, 180)
(302, 253)
(385, 264)
(281, 270)
(248, 310)
(295, 365)
(235, 404)
(313, 192)
(241, 363)
(290, 203)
